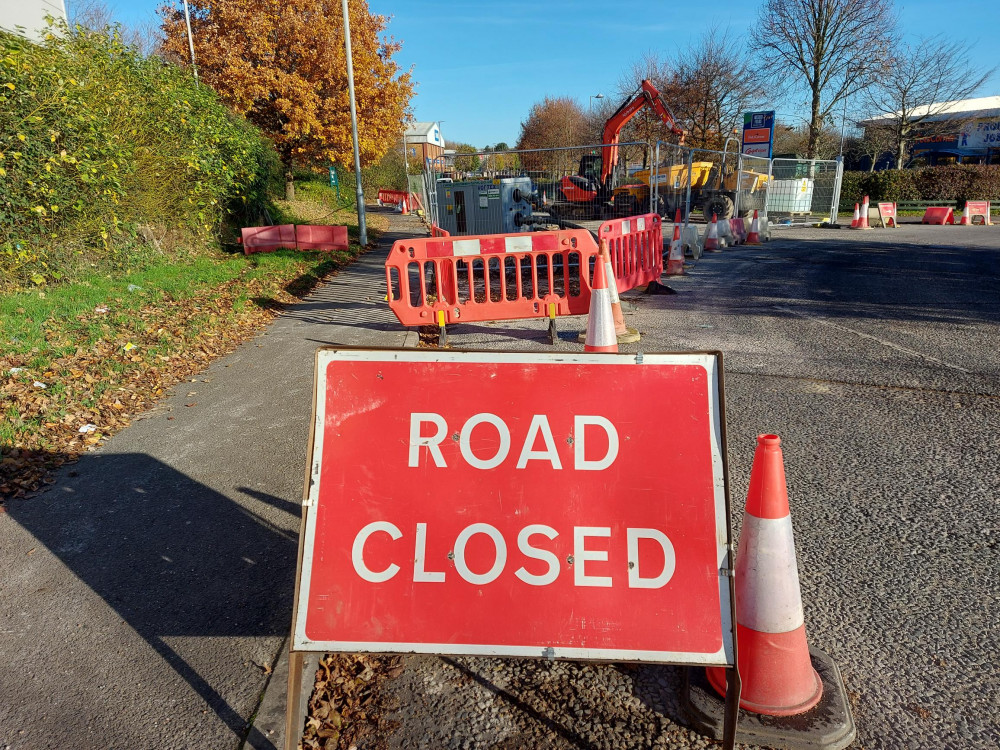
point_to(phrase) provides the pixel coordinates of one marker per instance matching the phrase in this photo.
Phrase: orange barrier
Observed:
(975, 209)
(391, 197)
(292, 237)
(636, 248)
(316, 237)
(435, 281)
(887, 215)
(437, 231)
(938, 215)
(267, 239)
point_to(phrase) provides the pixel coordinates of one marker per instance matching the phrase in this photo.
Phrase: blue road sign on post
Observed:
(758, 134)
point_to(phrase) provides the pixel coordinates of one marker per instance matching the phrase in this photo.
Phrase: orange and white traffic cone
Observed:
(623, 333)
(675, 252)
(857, 217)
(711, 244)
(753, 238)
(403, 207)
(600, 322)
(782, 678)
(774, 665)
(863, 218)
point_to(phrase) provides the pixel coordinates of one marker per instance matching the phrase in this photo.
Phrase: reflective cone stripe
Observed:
(774, 663)
(601, 335)
(863, 217)
(754, 237)
(712, 235)
(616, 304)
(675, 254)
(857, 217)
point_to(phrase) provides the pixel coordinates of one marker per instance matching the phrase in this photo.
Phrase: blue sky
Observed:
(481, 65)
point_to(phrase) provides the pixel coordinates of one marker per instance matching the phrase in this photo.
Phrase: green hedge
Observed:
(952, 185)
(97, 142)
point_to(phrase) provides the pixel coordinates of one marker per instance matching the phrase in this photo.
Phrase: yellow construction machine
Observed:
(713, 189)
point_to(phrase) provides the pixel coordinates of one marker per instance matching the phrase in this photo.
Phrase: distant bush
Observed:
(951, 185)
(97, 142)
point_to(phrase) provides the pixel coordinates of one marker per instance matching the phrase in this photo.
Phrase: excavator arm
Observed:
(647, 95)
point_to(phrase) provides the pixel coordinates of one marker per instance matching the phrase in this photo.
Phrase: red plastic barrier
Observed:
(391, 197)
(314, 237)
(437, 231)
(267, 239)
(636, 248)
(938, 215)
(491, 277)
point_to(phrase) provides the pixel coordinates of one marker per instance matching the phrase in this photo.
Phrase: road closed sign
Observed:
(547, 505)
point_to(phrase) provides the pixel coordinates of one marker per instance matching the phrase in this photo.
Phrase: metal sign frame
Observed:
(721, 514)
(755, 122)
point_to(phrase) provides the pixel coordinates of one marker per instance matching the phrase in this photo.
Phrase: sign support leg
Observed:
(733, 689)
(293, 732)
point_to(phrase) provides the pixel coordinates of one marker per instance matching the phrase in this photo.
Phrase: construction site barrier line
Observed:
(635, 245)
(490, 277)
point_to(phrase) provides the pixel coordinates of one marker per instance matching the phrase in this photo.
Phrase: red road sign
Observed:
(517, 504)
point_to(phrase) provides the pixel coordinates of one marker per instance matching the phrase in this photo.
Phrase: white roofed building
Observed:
(423, 140)
(974, 139)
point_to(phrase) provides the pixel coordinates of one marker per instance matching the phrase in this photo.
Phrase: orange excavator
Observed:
(589, 192)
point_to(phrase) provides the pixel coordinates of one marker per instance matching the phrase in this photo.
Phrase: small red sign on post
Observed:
(547, 505)
(887, 214)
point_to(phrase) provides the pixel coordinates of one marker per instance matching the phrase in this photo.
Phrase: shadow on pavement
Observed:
(171, 556)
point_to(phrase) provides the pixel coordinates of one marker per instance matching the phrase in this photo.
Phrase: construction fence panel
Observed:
(435, 281)
(803, 190)
(752, 185)
(493, 192)
(671, 180)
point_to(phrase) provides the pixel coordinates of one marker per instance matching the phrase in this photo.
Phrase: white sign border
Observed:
(725, 656)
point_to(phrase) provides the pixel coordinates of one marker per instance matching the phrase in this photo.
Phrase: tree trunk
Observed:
(815, 123)
(289, 184)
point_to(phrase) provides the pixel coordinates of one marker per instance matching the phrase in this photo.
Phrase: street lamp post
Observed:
(187, 21)
(362, 228)
(595, 96)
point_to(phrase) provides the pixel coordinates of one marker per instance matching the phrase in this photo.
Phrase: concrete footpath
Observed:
(145, 598)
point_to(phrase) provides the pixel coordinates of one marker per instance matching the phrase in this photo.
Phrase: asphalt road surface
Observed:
(146, 595)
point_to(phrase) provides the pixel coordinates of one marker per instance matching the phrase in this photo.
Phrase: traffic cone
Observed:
(774, 665)
(675, 253)
(754, 237)
(600, 321)
(403, 208)
(711, 244)
(863, 218)
(857, 217)
(623, 333)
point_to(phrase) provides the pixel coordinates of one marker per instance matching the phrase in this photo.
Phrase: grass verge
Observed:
(79, 361)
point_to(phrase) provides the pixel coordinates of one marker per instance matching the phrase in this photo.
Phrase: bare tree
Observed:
(552, 123)
(922, 82)
(794, 139)
(715, 83)
(833, 48)
(645, 126)
(876, 142)
(95, 16)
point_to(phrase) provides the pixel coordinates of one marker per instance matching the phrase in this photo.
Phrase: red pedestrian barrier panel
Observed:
(391, 197)
(315, 237)
(437, 231)
(974, 210)
(636, 248)
(938, 215)
(436, 281)
(267, 239)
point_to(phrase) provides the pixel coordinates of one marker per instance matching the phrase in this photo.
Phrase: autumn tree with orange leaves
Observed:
(282, 65)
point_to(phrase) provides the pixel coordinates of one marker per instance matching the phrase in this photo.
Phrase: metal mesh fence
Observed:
(803, 190)
(493, 192)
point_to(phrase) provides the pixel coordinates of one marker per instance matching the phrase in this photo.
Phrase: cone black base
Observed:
(828, 726)
(655, 287)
